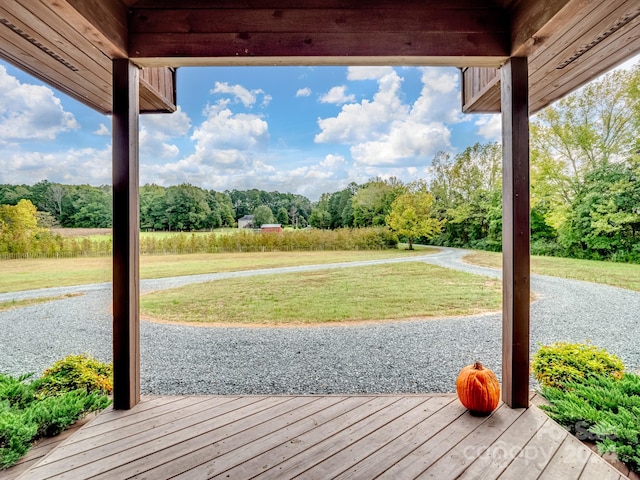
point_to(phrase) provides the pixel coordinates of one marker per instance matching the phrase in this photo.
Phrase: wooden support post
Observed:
(126, 271)
(515, 233)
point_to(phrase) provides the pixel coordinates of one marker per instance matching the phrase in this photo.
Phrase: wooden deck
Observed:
(319, 437)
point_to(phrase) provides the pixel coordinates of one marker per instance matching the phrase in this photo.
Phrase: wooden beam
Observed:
(530, 17)
(433, 28)
(515, 233)
(126, 269)
(157, 90)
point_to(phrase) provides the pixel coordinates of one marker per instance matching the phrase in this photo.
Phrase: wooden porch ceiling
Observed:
(70, 43)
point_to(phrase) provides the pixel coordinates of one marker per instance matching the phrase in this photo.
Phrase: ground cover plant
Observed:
(30, 274)
(43, 407)
(376, 292)
(589, 393)
(623, 275)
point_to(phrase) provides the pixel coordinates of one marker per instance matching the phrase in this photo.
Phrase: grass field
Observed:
(380, 292)
(624, 275)
(30, 274)
(11, 304)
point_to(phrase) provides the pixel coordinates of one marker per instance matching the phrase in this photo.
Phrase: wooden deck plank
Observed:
(147, 403)
(429, 452)
(368, 445)
(497, 458)
(223, 463)
(119, 452)
(257, 438)
(568, 462)
(169, 447)
(533, 458)
(299, 443)
(299, 463)
(598, 469)
(317, 437)
(131, 435)
(446, 410)
(473, 445)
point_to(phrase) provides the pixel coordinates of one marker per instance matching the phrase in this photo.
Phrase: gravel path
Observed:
(396, 357)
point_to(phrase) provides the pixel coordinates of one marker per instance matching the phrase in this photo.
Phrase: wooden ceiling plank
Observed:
(528, 17)
(601, 59)
(103, 22)
(311, 4)
(38, 64)
(266, 61)
(47, 35)
(424, 44)
(181, 20)
(608, 51)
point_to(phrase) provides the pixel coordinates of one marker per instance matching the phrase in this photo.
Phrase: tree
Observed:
(262, 215)
(282, 216)
(18, 227)
(412, 214)
(372, 203)
(320, 218)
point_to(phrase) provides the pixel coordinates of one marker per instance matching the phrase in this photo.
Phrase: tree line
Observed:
(585, 193)
(585, 188)
(176, 208)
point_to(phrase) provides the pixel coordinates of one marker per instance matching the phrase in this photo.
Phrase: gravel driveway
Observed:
(398, 357)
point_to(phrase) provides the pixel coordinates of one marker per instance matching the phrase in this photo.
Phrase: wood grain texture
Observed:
(515, 233)
(326, 436)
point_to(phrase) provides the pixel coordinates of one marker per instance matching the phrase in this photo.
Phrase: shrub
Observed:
(32, 409)
(76, 372)
(558, 364)
(601, 408)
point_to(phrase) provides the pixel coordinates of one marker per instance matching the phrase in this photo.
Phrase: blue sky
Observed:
(305, 130)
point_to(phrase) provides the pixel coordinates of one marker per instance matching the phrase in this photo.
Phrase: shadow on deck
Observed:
(319, 437)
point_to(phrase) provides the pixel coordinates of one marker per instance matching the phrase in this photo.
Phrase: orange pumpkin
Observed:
(478, 389)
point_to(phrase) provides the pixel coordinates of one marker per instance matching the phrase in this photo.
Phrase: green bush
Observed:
(558, 364)
(601, 408)
(76, 372)
(30, 409)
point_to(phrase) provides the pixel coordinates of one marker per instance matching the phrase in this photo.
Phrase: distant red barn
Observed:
(271, 227)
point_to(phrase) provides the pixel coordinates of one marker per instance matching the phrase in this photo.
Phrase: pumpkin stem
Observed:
(478, 366)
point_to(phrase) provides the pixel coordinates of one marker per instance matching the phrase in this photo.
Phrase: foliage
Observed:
(76, 372)
(601, 408)
(372, 202)
(560, 363)
(18, 227)
(261, 215)
(412, 214)
(26, 414)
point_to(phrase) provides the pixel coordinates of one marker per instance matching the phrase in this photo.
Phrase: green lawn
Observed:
(372, 293)
(11, 304)
(624, 275)
(30, 274)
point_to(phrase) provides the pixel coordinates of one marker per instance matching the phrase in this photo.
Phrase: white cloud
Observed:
(358, 122)
(247, 97)
(303, 92)
(490, 127)
(386, 132)
(30, 112)
(368, 73)
(157, 131)
(87, 165)
(102, 131)
(338, 96)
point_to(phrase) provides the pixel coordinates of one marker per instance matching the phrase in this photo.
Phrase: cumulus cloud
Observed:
(337, 95)
(30, 112)
(489, 127)
(385, 131)
(86, 165)
(303, 92)
(102, 131)
(158, 131)
(358, 122)
(240, 94)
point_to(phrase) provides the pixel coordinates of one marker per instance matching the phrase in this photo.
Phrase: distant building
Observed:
(271, 227)
(245, 222)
